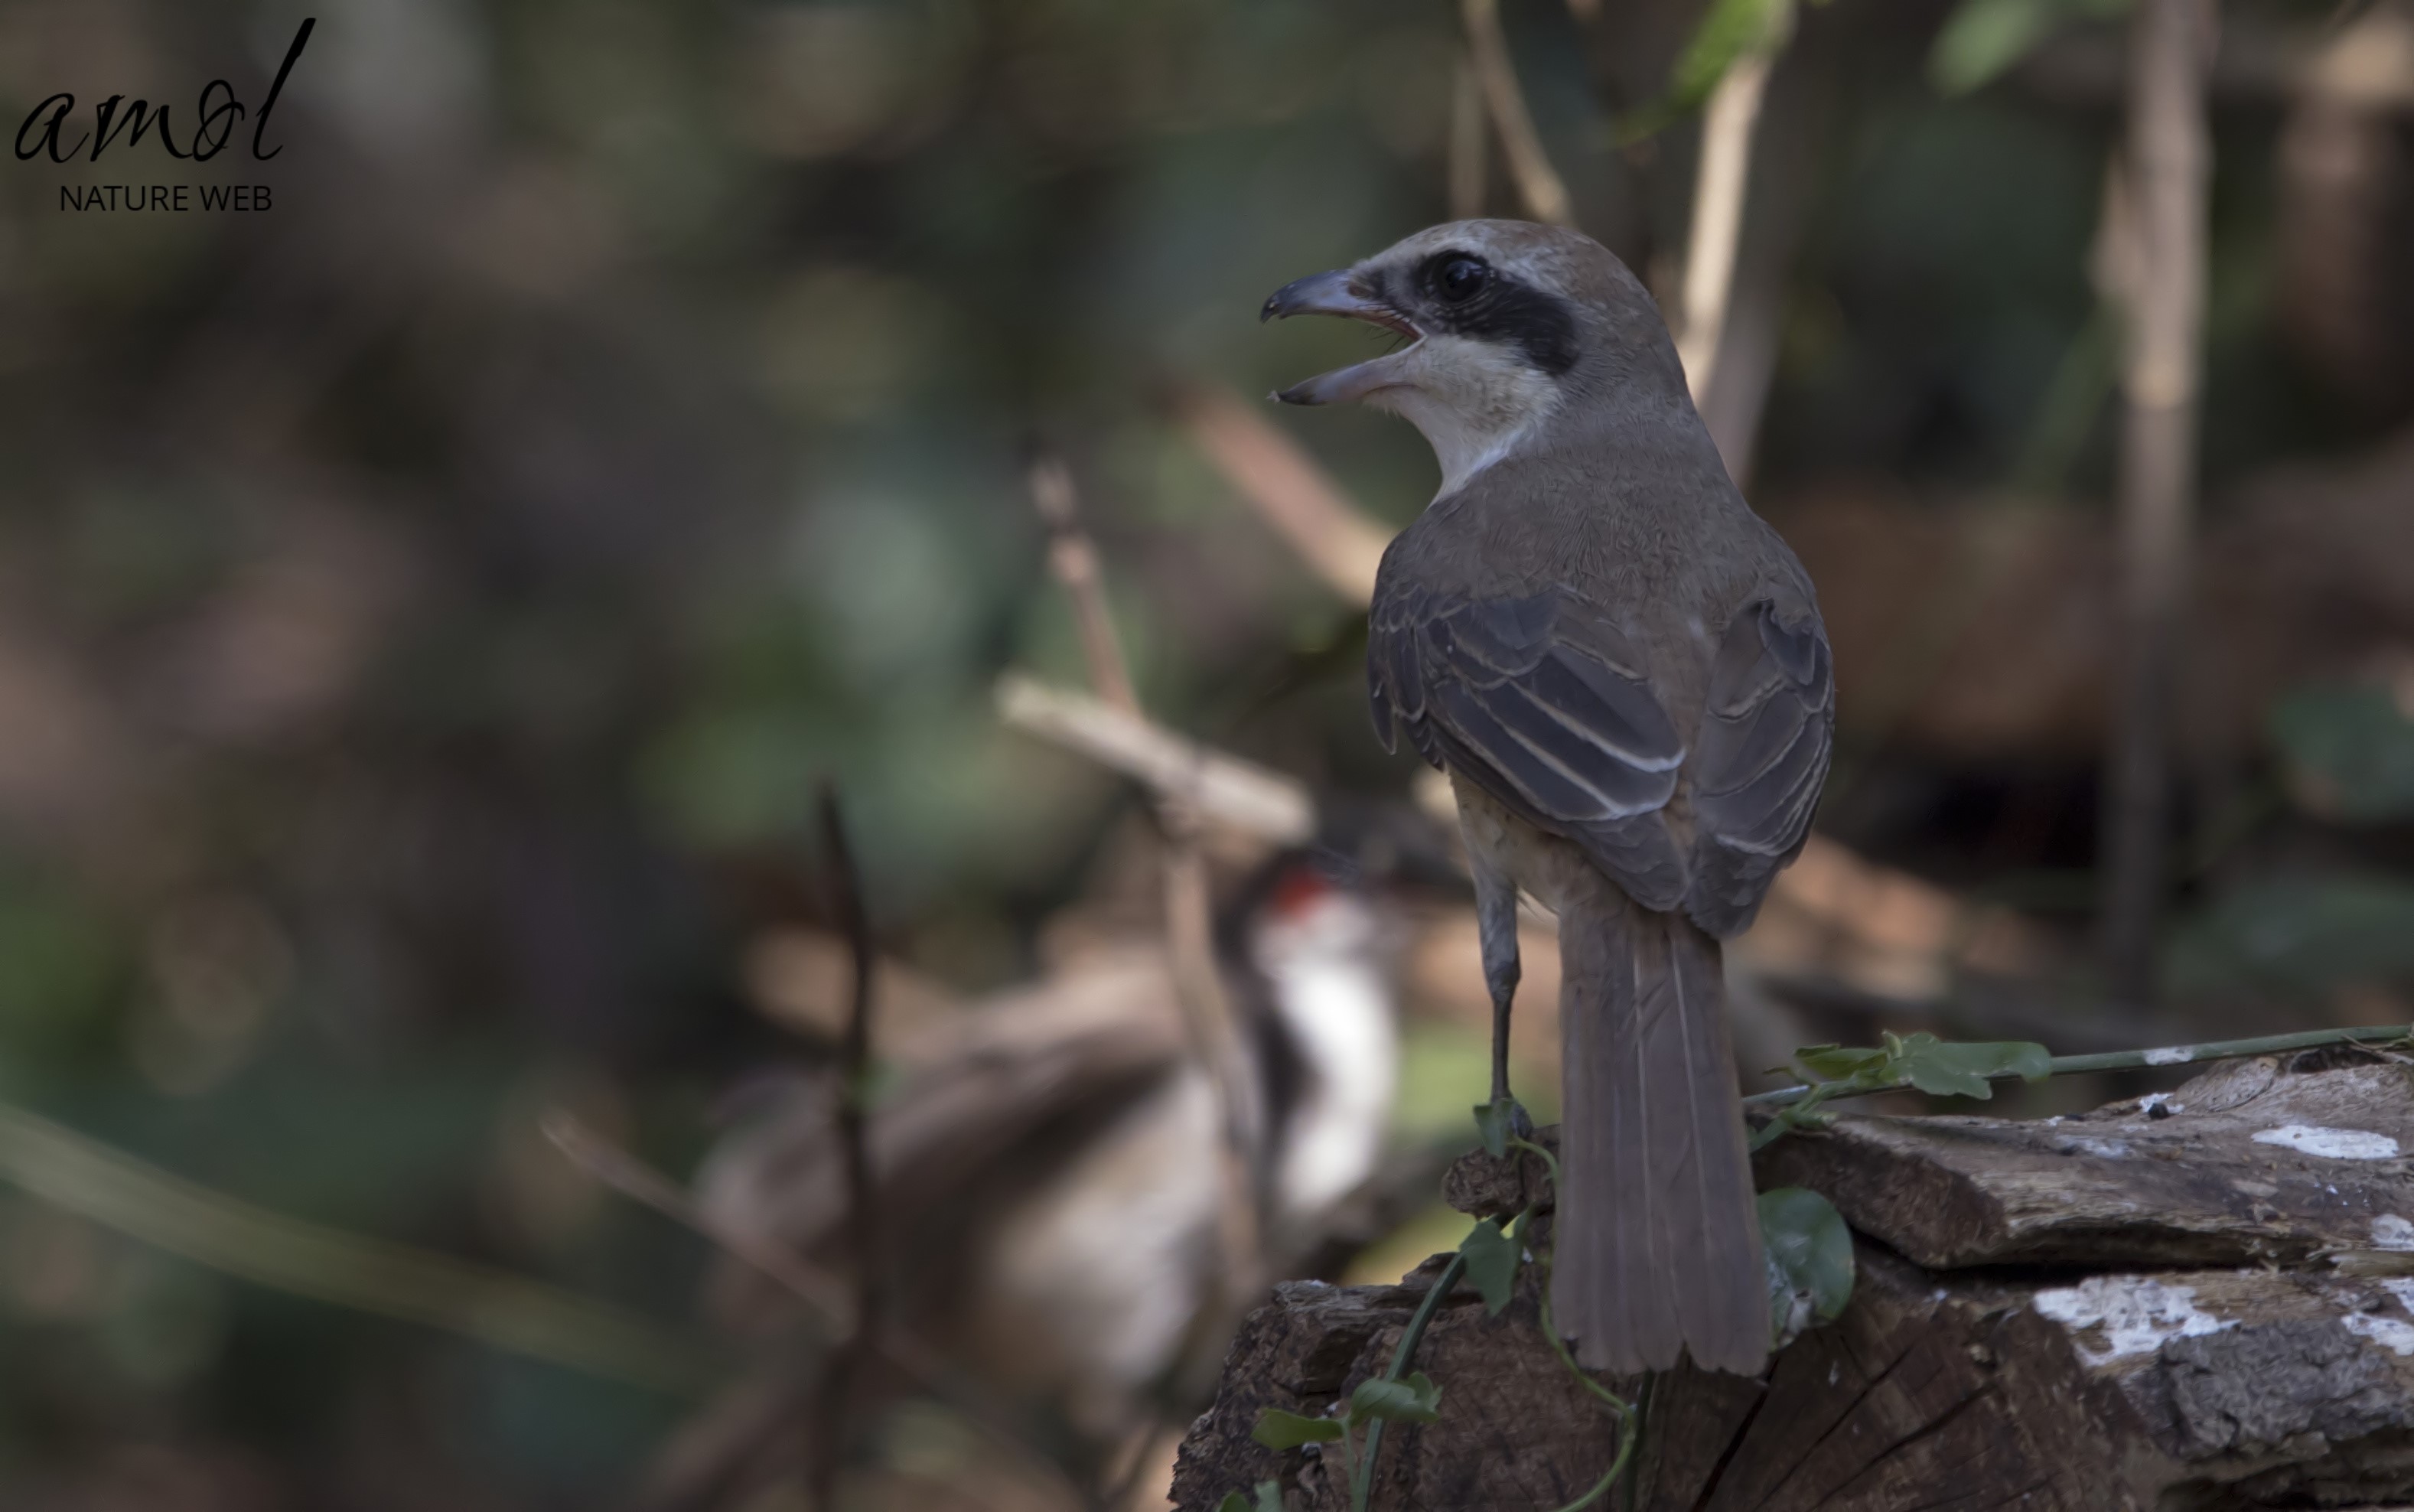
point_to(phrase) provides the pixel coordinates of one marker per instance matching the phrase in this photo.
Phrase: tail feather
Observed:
(1658, 1248)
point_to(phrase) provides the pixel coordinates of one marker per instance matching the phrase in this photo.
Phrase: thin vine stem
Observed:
(2115, 1060)
(1628, 1425)
(1362, 1478)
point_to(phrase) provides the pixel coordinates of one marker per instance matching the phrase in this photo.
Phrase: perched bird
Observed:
(1048, 1167)
(1623, 672)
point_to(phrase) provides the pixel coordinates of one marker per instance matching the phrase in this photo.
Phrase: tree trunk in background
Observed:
(2170, 163)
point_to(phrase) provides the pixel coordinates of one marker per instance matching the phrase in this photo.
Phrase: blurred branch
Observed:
(492, 1307)
(1137, 1454)
(1189, 909)
(2169, 163)
(718, 1453)
(640, 1183)
(1538, 183)
(1721, 182)
(1338, 540)
(836, 1389)
(845, 887)
(1470, 149)
(820, 1291)
(1075, 562)
(1224, 789)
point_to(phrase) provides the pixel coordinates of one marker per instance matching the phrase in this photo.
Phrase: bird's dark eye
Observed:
(1462, 277)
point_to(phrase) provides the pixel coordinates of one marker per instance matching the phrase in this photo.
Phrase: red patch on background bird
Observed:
(1298, 889)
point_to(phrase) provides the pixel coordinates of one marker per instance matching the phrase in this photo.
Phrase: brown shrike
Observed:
(1621, 668)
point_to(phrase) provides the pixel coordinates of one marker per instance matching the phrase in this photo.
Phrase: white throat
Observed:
(1473, 402)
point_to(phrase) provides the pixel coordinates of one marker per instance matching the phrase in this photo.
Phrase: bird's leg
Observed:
(1495, 920)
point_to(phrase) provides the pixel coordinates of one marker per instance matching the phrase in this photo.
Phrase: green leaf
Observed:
(1491, 1264)
(2348, 751)
(1269, 1499)
(1983, 38)
(1416, 1400)
(1494, 1122)
(1279, 1430)
(1834, 1063)
(1731, 31)
(1810, 1259)
(1943, 1068)
(1940, 1068)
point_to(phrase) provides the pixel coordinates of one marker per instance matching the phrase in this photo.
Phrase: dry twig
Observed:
(1538, 183)
(1222, 789)
(821, 1291)
(1207, 1013)
(1075, 562)
(616, 1168)
(1337, 540)
(1721, 184)
(836, 1389)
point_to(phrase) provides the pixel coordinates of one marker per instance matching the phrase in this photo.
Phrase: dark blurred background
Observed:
(426, 607)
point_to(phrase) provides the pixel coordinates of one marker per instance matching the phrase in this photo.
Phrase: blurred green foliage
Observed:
(1729, 32)
(2299, 936)
(2349, 751)
(1984, 38)
(424, 608)
(2304, 932)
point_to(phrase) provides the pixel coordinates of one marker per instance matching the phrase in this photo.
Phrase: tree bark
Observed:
(2202, 1301)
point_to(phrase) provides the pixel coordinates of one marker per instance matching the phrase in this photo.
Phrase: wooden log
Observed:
(2200, 1301)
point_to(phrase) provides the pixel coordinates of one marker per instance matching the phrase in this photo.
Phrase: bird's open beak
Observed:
(1338, 294)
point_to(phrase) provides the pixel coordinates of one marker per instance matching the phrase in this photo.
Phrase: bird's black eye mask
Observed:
(1459, 294)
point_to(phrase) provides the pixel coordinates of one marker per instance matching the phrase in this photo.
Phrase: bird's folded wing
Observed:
(1545, 705)
(1759, 759)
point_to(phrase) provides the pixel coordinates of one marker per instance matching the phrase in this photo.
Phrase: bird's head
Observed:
(1508, 324)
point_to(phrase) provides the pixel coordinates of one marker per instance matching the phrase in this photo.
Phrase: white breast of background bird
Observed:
(1321, 953)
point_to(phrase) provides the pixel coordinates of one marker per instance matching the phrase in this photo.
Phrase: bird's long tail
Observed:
(1658, 1246)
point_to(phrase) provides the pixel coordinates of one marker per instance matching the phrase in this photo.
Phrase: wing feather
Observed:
(1545, 703)
(1761, 759)
(1539, 704)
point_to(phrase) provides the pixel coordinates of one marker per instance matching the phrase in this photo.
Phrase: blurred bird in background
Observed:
(1047, 1162)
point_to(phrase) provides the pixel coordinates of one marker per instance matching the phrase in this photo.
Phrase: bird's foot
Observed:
(1501, 1121)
